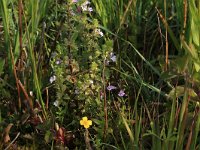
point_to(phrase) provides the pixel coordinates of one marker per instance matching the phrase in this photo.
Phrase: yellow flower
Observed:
(85, 122)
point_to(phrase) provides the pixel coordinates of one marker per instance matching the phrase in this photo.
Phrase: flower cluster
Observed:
(84, 6)
(121, 92)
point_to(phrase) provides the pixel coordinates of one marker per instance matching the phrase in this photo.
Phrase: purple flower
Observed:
(121, 93)
(111, 87)
(90, 9)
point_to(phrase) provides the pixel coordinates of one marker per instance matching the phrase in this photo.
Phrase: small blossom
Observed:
(113, 57)
(98, 31)
(121, 93)
(52, 79)
(58, 62)
(85, 122)
(31, 93)
(111, 87)
(56, 103)
(90, 9)
(74, 1)
(85, 7)
(91, 81)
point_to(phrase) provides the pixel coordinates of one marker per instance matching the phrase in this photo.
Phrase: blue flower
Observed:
(111, 87)
(113, 57)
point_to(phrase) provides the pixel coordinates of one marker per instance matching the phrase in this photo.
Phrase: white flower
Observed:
(56, 103)
(58, 62)
(31, 93)
(98, 31)
(52, 79)
(85, 7)
(91, 81)
(74, 1)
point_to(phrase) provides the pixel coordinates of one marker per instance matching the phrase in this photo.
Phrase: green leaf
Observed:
(94, 66)
(2, 62)
(48, 137)
(196, 66)
(190, 49)
(180, 90)
(168, 75)
(195, 32)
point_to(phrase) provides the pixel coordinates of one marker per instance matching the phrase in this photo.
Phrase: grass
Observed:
(131, 66)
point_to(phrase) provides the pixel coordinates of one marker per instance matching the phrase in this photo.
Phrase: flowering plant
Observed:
(85, 122)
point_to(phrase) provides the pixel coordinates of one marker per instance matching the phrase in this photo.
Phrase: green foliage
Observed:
(130, 66)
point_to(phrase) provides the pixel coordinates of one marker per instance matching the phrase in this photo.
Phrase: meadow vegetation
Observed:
(100, 74)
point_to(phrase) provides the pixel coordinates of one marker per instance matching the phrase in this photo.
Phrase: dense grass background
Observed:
(130, 66)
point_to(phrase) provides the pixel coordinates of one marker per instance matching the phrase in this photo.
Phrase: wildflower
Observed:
(113, 57)
(85, 7)
(85, 122)
(91, 81)
(90, 9)
(56, 103)
(98, 31)
(74, 1)
(121, 93)
(52, 79)
(111, 87)
(31, 93)
(58, 62)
